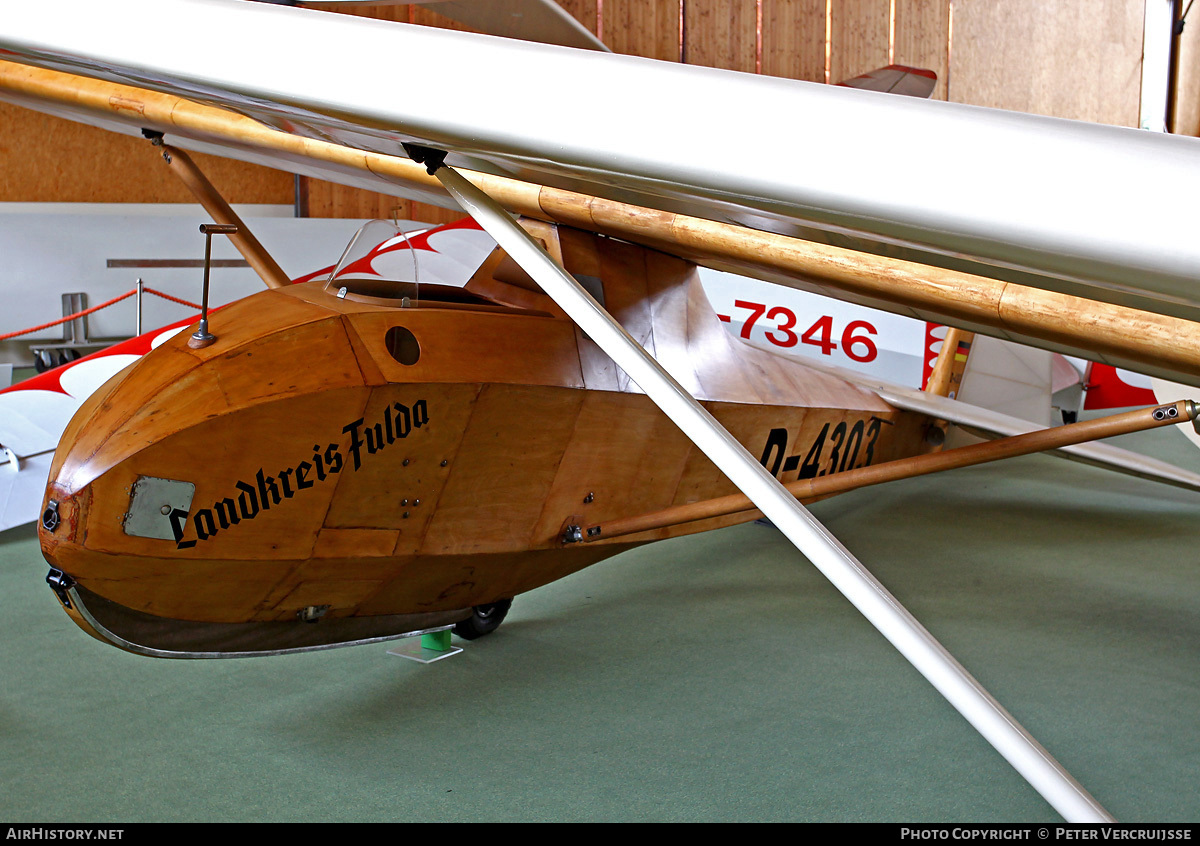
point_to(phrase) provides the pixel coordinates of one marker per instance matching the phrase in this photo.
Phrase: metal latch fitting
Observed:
(60, 583)
(50, 518)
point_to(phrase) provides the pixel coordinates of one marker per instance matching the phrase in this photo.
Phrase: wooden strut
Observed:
(921, 465)
(205, 192)
(1105, 329)
(946, 378)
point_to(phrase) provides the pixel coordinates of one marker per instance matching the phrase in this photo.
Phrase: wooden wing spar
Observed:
(1147, 341)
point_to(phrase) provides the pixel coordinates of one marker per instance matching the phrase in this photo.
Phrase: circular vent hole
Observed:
(402, 345)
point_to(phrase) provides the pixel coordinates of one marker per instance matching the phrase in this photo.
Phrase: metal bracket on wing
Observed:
(848, 575)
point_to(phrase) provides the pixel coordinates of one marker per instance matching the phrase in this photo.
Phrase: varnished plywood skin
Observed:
(330, 475)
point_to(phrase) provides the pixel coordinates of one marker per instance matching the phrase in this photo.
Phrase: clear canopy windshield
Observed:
(379, 264)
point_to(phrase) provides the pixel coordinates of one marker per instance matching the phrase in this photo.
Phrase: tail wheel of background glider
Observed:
(485, 620)
(48, 360)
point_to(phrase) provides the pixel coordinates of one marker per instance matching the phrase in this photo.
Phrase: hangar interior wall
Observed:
(1073, 58)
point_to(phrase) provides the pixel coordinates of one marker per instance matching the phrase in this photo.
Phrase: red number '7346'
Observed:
(857, 341)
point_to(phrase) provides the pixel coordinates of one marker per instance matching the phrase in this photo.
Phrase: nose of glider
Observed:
(181, 487)
(96, 466)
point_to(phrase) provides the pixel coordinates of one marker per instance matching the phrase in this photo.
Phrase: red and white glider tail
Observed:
(895, 79)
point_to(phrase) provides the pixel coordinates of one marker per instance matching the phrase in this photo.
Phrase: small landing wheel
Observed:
(485, 619)
(64, 356)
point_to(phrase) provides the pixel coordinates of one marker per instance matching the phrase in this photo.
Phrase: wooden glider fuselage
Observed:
(384, 469)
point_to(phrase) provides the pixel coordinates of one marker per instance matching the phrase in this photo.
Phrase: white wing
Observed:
(1062, 204)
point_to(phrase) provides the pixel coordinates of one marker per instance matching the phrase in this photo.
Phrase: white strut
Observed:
(824, 550)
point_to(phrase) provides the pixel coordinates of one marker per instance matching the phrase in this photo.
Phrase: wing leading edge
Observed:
(1072, 207)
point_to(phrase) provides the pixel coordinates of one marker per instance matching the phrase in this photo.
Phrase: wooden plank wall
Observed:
(1072, 58)
(1187, 93)
(793, 39)
(45, 159)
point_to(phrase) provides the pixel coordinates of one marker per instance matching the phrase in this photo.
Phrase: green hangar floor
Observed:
(717, 677)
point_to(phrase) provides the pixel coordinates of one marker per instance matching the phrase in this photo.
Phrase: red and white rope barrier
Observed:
(96, 308)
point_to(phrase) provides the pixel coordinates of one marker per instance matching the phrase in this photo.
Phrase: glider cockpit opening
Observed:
(385, 265)
(377, 266)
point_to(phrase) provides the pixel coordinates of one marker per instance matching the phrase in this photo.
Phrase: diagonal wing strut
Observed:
(824, 550)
